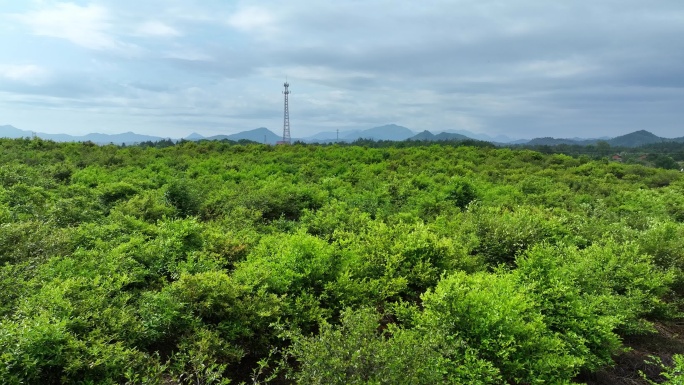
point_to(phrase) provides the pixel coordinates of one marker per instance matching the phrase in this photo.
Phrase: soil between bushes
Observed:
(666, 342)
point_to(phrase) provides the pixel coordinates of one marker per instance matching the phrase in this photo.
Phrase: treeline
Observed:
(211, 262)
(662, 155)
(666, 155)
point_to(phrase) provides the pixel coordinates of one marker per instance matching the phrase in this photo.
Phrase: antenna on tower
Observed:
(286, 117)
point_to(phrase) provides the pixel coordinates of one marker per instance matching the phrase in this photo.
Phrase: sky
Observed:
(520, 68)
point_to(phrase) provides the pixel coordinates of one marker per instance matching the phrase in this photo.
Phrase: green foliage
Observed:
(461, 192)
(362, 350)
(289, 264)
(505, 233)
(184, 197)
(588, 296)
(381, 263)
(673, 375)
(664, 161)
(297, 267)
(115, 192)
(148, 206)
(202, 359)
(579, 318)
(497, 318)
(283, 200)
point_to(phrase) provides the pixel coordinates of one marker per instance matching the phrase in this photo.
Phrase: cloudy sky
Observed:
(521, 68)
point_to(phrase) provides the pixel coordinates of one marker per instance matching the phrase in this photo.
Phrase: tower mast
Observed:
(286, 117)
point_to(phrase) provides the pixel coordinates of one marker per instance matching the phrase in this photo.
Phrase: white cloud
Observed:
(27, 73)
(88, 26)
(317, 73)
(156, 28)
(508, 67)
(255, 20)
(556, 68)
(188, 54)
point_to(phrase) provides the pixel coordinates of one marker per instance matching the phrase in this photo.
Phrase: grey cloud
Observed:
(73, 88)
(152, 87)
(519, 67)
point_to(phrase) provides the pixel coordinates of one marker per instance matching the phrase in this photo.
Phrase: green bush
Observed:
(448, 263)
(184, 197)
(505, 233)
(580, 319)
(289, 263)
(283, 200)
(673, 375)
(148, 206)
(461, 192)
(115, 192)
(364, 350)
(498, 319)
(590, 296)
(382, 263)
(297, 267)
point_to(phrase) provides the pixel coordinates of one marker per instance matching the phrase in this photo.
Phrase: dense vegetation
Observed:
(667, 155)
(203, 263)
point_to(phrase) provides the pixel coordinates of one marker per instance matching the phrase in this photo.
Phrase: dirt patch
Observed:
(668, 340)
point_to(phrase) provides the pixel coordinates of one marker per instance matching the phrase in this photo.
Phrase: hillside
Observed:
(450, 136)
(127, 138)
(124, 138)
(12, 132)
(425, 135)
(386, 132)
(215, 262)
(485, 137)
(194, 136)
(548, 141)
(390, 132)
(636, 139)
(443, 136)
(331, 136)
(259, 135)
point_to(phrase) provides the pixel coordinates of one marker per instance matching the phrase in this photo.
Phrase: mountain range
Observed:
(429, 136)
(390, 132)
(633, 139)
(127, 137)
(259, 135)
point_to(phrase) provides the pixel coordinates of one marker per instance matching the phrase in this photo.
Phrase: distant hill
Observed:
(256, 135)
(259, 135)
(13, 132)
(194, 136)
(387, 132)
(484, 137)
(425, 135)
(428, 136)
(518, 141)
(636, 139)
(549, 141)
(390, 132)
(127, 138)
(451, 136)
(330, 136)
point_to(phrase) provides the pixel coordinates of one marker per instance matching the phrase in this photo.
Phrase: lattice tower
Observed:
(286, 117)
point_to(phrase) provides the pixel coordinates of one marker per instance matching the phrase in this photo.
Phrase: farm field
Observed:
(216, 262)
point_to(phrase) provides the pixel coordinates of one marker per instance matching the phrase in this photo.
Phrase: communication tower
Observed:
(286, 117)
